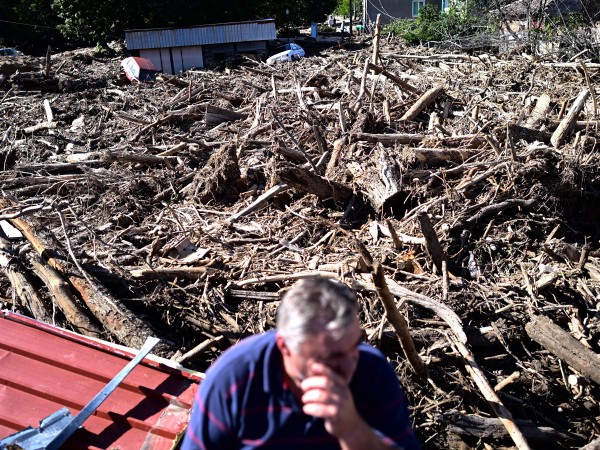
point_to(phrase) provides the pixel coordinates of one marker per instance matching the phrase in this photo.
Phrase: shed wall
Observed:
(201, 35)
(174, 50)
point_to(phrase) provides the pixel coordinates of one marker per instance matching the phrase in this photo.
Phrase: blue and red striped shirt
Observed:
(244, 403)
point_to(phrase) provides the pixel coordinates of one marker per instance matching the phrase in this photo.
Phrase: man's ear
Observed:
(281, 345)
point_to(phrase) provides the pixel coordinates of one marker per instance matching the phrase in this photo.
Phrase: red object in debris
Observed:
(139, 69)
(44, 368)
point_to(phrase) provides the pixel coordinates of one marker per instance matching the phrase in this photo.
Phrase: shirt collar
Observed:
(273, 366)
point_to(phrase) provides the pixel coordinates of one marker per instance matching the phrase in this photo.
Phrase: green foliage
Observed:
(564, 23)
(346, 8)
(461, 19)
(28, 25)
(343, 8)
(91, 22)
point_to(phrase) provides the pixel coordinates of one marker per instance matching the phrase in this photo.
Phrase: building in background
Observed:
(391, 10)
(174, 50)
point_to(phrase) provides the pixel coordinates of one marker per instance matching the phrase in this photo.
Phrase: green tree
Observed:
(461, 19)
(85, 22)
(343, 8)
(30, 25)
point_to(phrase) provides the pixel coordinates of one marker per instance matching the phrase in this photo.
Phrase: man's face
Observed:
(340, 355)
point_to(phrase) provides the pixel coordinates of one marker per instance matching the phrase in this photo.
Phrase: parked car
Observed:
(139, 70)
(9, 52)
(288, 52)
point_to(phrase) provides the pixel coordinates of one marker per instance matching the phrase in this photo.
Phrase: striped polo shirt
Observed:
(243, 403)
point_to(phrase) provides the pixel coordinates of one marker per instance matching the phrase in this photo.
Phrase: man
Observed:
(309, 384)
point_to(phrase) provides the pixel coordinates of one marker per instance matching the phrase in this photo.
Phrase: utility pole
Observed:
(350, 14)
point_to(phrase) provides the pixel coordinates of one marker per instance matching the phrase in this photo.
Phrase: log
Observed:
(48, 109)
(44, 180)
(258, 203)
(242, 294)
(492, 398)
(539, 113)
(425, 100)
(215, 115)
(122, 156)
(459, 339)
(398, 322)
(554, 339)
(336, 156)
(437, 254)
(381, 179)
(443, 311)
(375, 56)
(477, 213)
(40, 126)
(192, 112)
(65, 301)
(396, 79)
(170, 273)
(22, 284)
(568, 123)
(492, 428)
(389, 139)
(434, 156)
(306, 181)
(110, 312)
(467, 140)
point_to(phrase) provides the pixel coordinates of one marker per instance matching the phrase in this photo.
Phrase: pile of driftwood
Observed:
(458, 195)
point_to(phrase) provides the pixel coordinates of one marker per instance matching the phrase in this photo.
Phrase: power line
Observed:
(30, 25)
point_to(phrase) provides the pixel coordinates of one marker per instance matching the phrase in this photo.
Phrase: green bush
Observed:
(434, 25)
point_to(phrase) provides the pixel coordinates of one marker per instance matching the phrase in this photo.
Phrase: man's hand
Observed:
(326, 395)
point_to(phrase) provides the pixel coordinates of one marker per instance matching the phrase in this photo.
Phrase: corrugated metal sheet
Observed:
(260, 30)
(43, 368)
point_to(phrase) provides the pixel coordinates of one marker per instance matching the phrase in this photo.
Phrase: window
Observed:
(416, 7)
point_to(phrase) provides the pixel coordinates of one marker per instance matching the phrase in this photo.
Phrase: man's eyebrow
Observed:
(335, 354)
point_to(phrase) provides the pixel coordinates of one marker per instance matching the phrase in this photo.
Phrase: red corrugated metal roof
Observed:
(43, 368)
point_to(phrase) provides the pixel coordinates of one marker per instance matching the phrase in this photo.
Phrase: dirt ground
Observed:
(184, 209)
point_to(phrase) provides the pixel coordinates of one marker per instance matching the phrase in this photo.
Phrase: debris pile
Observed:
(455, 193)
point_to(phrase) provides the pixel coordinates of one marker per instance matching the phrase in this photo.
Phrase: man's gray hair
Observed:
(314, 305)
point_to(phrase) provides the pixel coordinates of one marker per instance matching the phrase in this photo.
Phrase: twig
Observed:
(258, 203)
(296, 143)
(285, 277)
(197, 349)
(588, 82)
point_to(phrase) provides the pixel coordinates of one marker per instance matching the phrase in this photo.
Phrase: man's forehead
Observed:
(346, 337)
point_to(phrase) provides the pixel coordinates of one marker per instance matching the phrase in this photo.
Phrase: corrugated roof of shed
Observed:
(43, 368)
(221, 33)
